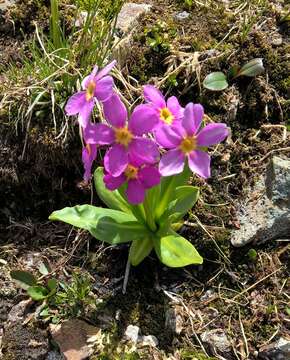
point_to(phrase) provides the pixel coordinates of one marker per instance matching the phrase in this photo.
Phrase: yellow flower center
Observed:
(188, 144)
(166, 116)
(131, 172)
(123, 136)
(90, 90)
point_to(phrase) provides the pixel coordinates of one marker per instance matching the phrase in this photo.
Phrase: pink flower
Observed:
(169, 112)
(138, 177)
(98, 86)
(126, 138)
(186, 142)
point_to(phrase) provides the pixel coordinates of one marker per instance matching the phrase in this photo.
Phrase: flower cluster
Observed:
(157, 139)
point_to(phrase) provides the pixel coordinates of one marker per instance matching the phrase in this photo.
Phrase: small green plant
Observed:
(158, 37)
(252, 255)
(218, 81)
(60, 299)
(36, 288)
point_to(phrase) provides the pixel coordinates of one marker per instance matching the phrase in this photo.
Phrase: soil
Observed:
(39, 173)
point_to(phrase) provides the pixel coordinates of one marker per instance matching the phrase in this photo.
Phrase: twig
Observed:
(273, 151)
(126, 277)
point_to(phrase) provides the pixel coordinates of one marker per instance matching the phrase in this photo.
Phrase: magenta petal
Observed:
(115, 111)
(192, 118)
(149, 176)
(116, 160)
(153, 95)
(174, 106)
(143, 120)
(104, 88)
(89, 78)
(75, 103)
(100, 134)
(168, 137)
(172, 163)
(89, 154)
(143, 150)
(199, 163)
(106, 70)
(89, 133)
(212, 134)
(135, 192)
(85, 113)
(112, 183)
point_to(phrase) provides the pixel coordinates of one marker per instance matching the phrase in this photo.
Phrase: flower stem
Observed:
(149, 214)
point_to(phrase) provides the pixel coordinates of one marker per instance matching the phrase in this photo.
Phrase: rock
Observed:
(132, 333)
(4, 4)
(276, 39)
(182, 16)
(148, 340)
(279, 350)
(266, 215)
(173, 321)
(217, 343)
(54, 355)
(78, 345)
(22, 343)
(129, 16)
(18, 312)
(126, 22)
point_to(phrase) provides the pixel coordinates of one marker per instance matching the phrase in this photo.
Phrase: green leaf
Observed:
(139, 250)
(24, 278)
(186, 197)
(37, 292)
(112, 199)
(176, 251)
(233, 72)
(44, 268)
(168, 187)
(216, 81)
(52, 285)
(252, 68)
(110, 226)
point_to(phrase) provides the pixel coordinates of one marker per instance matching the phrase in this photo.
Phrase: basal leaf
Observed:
(167, 190)
(112, 199)
(110, 226)
(24, 278)
(176, 251)
(37, 292)
(186, 197)
(252, 68)
(139, 250)
(216, 81)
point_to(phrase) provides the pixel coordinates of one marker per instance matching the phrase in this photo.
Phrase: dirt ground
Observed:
(246, 298)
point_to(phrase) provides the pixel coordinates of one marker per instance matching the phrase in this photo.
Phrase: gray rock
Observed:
(132, 333)
(129, 16)
(266, 215)
(279, 350)
(182, 16)
(18, 312)
(4, 4)
(127, 20)
(54, 355)
(217, 343)
(276, 39)
(148, 340)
